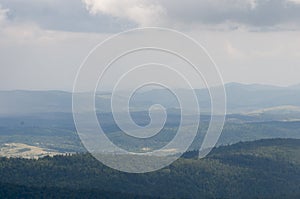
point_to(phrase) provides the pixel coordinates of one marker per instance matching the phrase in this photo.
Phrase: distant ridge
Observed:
(241, 98)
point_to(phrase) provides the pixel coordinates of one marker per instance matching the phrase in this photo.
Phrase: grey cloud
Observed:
(254, 13)
(65, 15)
(3, 14)
(72, 15)
(257, 13)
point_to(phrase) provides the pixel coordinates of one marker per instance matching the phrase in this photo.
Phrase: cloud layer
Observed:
(63, 15)
(117, 15)
(3, 15)
(43, 42)
(247, 12)
(253, 13)
(142, 12)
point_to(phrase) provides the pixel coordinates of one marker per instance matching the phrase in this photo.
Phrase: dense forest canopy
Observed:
(260, 169)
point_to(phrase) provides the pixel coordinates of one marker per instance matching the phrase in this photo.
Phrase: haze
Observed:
(43, 42)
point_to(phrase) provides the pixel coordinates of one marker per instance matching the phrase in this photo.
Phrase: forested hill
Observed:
(260, 169)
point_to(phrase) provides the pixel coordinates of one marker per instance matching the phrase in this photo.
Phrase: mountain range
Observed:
(241, 98)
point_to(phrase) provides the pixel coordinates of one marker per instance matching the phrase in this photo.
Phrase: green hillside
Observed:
(260, 169)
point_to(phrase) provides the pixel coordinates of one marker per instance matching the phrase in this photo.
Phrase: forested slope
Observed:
(260, 169)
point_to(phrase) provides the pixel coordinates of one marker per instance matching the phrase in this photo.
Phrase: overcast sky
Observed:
(43, 42)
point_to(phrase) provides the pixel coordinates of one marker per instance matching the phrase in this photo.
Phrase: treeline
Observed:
(8, 191)
(260, 169)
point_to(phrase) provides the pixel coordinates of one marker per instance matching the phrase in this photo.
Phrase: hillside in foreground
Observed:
(259, 169)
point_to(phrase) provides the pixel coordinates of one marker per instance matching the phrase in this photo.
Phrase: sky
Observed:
(43, 42)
